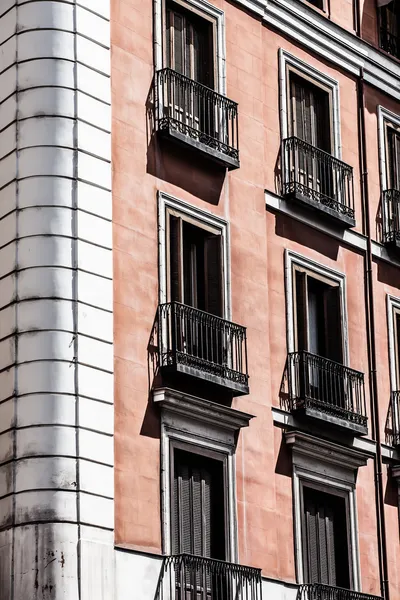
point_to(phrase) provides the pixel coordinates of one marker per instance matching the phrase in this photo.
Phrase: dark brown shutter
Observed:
(179, 43)
(213, 274)
(333, 324)
(394, 159)
(175, 267)
(301, 311)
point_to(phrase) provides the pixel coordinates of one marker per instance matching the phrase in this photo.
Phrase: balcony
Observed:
(318, 181)
(187, 577)
(389, 42)
(199, 345)
(391, 218)
(319, 591)
(322, 389)
(197, 116)
(393, 424)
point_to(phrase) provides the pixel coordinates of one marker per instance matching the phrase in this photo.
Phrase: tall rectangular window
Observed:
(189, 44)
(198, 511)
(393, 156)
(326, 557)
(318, 316)
(390, 28)
(195, 265)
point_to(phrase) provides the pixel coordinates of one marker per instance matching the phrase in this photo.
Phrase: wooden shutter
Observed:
(301, 311)
(325, 548)
(213, 275)
(333, 323)
(310, 114)
(175, 259)
(198, 521)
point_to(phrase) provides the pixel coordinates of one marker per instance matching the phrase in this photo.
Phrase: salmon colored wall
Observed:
(258, 240)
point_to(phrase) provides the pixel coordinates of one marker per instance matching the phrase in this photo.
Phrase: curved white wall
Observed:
(56, 356)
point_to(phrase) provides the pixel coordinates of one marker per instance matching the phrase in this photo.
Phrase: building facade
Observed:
(199, 300)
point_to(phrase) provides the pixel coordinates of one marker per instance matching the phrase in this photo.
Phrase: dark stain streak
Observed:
(62, 561)
(49, 563)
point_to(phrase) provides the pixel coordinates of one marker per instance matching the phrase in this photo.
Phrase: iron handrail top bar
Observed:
(315, 148)
(204, 313)
(340, 589)
(216, 560)
(395, 190)
(318, 356)
(200, 85)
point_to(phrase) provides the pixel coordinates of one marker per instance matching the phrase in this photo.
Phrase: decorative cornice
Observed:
(335, 44)
(322, 450)
(201, 410)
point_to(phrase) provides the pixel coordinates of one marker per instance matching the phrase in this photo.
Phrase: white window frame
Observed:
(182, 429)
(165, 202)
(332, 469)
(208, 10)
(287, 60)
(392, 303)
(293, 259)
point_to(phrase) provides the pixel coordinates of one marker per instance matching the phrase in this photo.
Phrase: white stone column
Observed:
(56, 354)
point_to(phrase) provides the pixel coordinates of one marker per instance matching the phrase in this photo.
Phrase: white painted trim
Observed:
(313, 465)
(194, 435)
(391, 303)
(292, 258)
(289, 60)
(166, 201)
(208, 9)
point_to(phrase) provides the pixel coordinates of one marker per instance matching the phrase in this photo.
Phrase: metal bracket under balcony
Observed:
(318, 181)
(323, 389)
(200, 345)
(187, 577)
(197, 116)
(320, 591)
(391, 218)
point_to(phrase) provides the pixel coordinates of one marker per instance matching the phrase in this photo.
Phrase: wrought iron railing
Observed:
(394, 425)
(391, 216)
(318, 176)
(197, 111)
(320, 591)
(187, 577)
(389, 42)
(323, 384)
(189, 337)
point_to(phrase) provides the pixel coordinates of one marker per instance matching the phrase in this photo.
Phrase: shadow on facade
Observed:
(292, 230)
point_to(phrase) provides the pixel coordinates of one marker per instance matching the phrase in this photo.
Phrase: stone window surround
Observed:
(208, 9)
(203, 427)
(287, 60)
(292, 258)
(165, 202)
(384, 116)
(333, 469)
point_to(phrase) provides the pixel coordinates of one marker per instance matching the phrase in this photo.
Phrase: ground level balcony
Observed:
(318, 181)
(322, 389)
(320, 591)
(187, 577)
(391, 218)
(190, 343)
(197, 117)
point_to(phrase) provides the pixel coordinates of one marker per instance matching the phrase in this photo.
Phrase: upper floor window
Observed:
(393, 157)
(389, 14)
(326, 556)
(195, 274)
(189, 44)
(317, 3)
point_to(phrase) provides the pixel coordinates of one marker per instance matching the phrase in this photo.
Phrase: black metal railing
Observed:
(192, 338)
(389, 42)
(320, 591)
(323, 384)
(187, 577)
(391, 216)
(318, 176)
(197, 112)
(395, 418)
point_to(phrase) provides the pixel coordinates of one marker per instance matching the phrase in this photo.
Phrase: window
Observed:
(318, 319)
(310, 113)
(189, 44)
(195, 264)
(393, 154)
(198, 511)
(317, 3)
(389, 24)
(326, 556)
